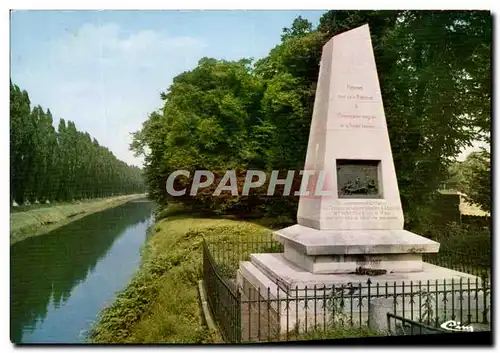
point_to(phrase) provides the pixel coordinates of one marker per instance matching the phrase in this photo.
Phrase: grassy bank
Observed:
(43, 219)
(160, 304)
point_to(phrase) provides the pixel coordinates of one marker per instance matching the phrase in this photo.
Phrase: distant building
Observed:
(465, 208)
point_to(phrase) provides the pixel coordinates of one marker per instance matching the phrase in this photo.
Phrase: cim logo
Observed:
(455, 326)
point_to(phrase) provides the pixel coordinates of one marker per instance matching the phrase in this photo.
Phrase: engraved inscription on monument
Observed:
(362, 212)
(358, 179)
(356, 116)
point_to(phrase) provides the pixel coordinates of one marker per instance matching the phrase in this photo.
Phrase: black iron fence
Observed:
(223, 298)
(274, 311)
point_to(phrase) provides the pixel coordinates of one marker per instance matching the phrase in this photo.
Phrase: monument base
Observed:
(328, 264)
(274, 270)
(295, 298)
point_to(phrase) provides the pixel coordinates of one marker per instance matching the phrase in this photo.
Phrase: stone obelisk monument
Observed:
(354, 229)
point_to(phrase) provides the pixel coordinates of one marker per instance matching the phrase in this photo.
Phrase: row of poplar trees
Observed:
(435, 75)
(60, 165)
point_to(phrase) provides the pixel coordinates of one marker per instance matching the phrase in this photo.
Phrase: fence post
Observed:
(369, 282)
(238, 316)
(485, 284)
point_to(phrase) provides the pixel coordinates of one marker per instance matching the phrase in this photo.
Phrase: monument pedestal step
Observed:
(276, 272)
(345, 251)
(329, 264)
(312, 241)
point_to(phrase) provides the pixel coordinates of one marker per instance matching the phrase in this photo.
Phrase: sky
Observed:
(104, 70)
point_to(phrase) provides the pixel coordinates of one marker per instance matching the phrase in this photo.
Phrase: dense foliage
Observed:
(473, 178)
(477, 174)
(67, 164)
(434, 70)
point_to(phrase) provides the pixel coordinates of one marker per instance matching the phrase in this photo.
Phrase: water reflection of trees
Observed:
(45, 269)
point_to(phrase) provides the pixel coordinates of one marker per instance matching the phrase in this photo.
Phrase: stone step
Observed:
(278, 270)
(312, 241)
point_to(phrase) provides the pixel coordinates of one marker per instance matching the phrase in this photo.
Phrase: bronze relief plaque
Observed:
(358, 179)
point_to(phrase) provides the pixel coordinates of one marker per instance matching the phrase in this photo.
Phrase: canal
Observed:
(60, 281)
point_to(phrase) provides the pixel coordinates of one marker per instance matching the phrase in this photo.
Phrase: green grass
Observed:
(44, 218)
(35, 206)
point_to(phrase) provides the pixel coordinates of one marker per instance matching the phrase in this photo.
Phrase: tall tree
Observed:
(475, 172)
(60, 165)
(300, 26)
